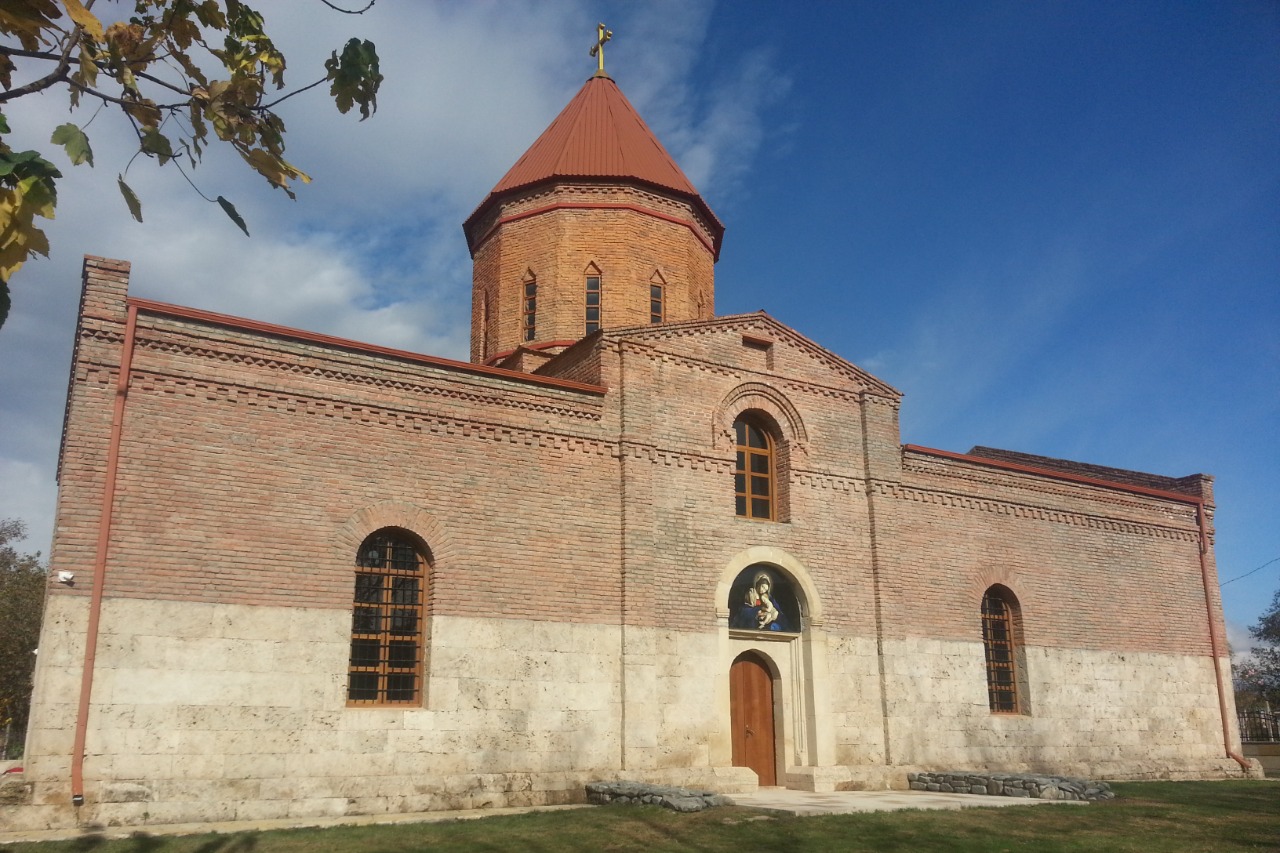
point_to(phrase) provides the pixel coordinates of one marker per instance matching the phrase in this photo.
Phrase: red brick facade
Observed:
(219, 475)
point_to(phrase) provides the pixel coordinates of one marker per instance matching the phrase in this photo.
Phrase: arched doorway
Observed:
(751, 717)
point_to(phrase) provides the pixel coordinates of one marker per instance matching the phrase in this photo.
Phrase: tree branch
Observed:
(366, 8)
(57, 75)
(289, 95)
(83, 89)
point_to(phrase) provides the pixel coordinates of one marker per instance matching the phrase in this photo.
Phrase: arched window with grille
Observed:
(754, 481)
(388, 609)
(1001, 641)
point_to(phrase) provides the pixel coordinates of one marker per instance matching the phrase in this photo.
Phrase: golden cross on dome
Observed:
(597, 49)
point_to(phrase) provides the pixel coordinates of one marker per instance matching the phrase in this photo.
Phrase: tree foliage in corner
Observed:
(1258, 675)
(22, 586)
(152, 68)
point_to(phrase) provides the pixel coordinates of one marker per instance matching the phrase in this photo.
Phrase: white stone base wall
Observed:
(213, 712)
(1101, 714)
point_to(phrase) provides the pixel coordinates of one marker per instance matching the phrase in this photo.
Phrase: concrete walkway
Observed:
(781, 800)
(806, 803)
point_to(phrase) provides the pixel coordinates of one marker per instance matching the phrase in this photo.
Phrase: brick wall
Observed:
(1092, 567)
(557, 232)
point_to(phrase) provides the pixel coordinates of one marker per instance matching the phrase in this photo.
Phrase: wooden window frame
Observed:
(1000, 649)
(387, 621)
(593, 287)
(529, 310)
(755, 480)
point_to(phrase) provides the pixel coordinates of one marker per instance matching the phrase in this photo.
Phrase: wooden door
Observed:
(751, 717)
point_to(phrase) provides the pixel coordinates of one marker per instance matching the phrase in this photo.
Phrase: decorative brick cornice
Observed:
(1000, 479)
(824, 481)
(464, 392)
(1058, 472)
(267, 331)
(1032, 512)
(366, 413)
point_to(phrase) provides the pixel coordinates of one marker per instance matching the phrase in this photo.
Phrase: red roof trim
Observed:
(586, 205)
(241, 324)
(1056, 475)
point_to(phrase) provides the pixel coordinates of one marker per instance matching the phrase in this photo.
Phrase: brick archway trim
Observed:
(400, 514)
(765, 398)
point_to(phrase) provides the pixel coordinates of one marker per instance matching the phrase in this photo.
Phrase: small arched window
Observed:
(1000, 642)
(387, 621)
(753, 476)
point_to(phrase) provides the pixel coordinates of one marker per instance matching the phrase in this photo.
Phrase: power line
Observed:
(1246, 574)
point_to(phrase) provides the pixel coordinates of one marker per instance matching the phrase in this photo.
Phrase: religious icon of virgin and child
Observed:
(759, 610)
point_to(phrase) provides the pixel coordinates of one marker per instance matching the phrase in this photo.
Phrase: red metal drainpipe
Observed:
(100, 560)
(1213, 640)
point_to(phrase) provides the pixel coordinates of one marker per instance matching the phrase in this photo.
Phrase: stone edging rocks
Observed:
(636, 793)
(1012, 785)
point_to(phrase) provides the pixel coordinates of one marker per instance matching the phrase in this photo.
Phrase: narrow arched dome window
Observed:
(529, 310)
(594, 294)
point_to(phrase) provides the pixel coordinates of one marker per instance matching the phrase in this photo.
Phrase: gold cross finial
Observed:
(597, 49)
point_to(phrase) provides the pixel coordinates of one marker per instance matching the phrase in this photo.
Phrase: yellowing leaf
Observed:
(274, 169)
(84, 19)
(144, 112)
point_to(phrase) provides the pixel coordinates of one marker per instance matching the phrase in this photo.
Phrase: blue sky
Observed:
(1054, 226)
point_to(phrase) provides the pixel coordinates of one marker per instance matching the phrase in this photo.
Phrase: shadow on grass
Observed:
(142, 842)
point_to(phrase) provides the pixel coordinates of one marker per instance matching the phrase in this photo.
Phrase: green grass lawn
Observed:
(1146, 816)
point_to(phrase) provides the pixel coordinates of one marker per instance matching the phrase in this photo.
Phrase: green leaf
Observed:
(355, 77)
(73, 139)
(4, 124)
(4, 301)
(25, 163)
(230, 210)
(135, 207)
(155, 142)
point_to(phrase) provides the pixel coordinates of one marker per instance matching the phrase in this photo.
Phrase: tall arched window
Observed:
(387, 621)
(1000, 641)
(529, 314)
(753, 476)
(594, 295)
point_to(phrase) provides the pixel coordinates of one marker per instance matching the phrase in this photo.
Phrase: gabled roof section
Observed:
(759, 326)
(599, 136)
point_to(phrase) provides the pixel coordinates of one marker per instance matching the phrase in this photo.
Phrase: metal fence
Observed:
(1260, 726)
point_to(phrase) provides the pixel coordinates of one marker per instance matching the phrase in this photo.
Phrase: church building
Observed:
(295, 575)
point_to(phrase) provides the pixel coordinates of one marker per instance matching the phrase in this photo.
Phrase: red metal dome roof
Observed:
(598, 135)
